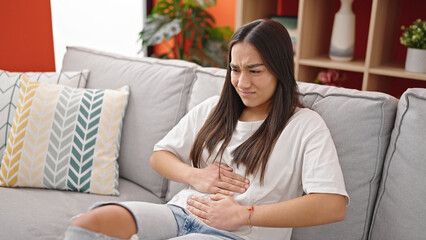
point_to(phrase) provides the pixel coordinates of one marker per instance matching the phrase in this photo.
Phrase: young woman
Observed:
(257, 163)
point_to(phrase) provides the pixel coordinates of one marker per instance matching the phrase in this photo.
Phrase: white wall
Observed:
(107, 25)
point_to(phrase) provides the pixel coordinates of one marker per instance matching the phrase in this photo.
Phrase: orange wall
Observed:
(224, 13)
(26, 40)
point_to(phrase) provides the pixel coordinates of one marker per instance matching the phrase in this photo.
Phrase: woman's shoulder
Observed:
(308, 118)
(305, 112)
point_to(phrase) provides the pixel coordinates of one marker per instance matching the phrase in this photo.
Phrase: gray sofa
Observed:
(381, 143)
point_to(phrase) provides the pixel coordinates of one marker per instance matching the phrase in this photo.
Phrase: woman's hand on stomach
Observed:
(218, 178)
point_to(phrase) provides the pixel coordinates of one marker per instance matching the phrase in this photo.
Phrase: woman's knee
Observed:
(112, 220)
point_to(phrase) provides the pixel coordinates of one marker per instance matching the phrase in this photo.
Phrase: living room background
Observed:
(27, 44)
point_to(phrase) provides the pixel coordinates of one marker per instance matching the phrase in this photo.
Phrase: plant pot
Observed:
(416, 60)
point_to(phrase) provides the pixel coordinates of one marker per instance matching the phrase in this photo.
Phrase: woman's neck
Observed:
(253, 115)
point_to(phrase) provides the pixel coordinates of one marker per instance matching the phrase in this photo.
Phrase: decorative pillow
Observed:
(65, 138)
(9, 93)
(160, 91)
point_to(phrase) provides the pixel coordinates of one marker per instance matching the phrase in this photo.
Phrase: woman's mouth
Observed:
(246, 93)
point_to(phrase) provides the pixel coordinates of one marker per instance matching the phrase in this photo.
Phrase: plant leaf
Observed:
(220, 33)
(204, 4)
(200, 20)
(157, 27)
(166, 7)
(218, 51)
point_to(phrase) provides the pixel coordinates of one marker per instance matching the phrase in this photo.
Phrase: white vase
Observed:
(343, 35)
(416, 60)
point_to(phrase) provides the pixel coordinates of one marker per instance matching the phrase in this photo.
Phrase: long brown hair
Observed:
(272, 41)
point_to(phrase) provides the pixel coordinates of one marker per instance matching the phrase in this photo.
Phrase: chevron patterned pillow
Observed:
(10, 83)
(65, 138)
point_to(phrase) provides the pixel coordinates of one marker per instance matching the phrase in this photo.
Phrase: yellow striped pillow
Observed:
(65, 138)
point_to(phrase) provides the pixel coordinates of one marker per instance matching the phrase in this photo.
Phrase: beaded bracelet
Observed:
(251, 210)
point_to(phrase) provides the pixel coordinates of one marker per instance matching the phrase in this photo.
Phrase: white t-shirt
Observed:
(304, 160)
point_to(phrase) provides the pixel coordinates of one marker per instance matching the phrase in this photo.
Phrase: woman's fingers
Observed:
(234, 176)
(197, 212)
(233, 182)
(223, 191)
(217, 197)
(234, 179)
(198, 206)
(201, 200)
(230, 187)
(219, 211)
(237, 182)
(220, 178)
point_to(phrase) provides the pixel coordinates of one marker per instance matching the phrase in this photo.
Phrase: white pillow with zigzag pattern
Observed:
(65, 138)
(9, 93)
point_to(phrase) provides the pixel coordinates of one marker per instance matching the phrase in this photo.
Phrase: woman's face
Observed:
(254, 83)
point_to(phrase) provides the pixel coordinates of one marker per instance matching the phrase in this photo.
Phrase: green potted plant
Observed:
(414, 37)
(191, 27)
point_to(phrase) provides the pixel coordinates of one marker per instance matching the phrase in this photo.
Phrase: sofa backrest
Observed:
(360, 123)
(208, 82)
(159, 92)
(162, 91)
(400, 211)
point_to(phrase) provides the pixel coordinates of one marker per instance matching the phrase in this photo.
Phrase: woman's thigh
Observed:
(153, 221)
(198, 236)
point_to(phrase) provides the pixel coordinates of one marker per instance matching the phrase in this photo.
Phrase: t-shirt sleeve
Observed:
(180, 139)
(322, 172)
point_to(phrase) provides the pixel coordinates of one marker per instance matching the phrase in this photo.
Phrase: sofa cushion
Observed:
(9, 93)
(208, 82)
(360, 123)
(400, 209)
(43, 214)
(158, 101)
(65, 138)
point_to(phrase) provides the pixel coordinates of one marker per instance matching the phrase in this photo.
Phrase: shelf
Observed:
(357, 65)
(397, 70)
(250, 10)
(379, 57)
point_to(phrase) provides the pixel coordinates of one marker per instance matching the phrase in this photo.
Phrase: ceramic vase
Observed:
(416, 60)
(343, 34)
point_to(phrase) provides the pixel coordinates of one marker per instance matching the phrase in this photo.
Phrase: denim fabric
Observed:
(157, 221)
(189, 227)
(76, 233)
(153, 221)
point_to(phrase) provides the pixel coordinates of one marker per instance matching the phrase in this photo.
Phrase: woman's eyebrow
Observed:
(248, 66)
(255, 65)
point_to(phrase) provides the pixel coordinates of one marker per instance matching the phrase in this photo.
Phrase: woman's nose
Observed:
(243, 82)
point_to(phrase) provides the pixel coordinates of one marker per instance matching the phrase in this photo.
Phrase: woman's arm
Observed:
(208, 180)
(309, 210)
(225, 213)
